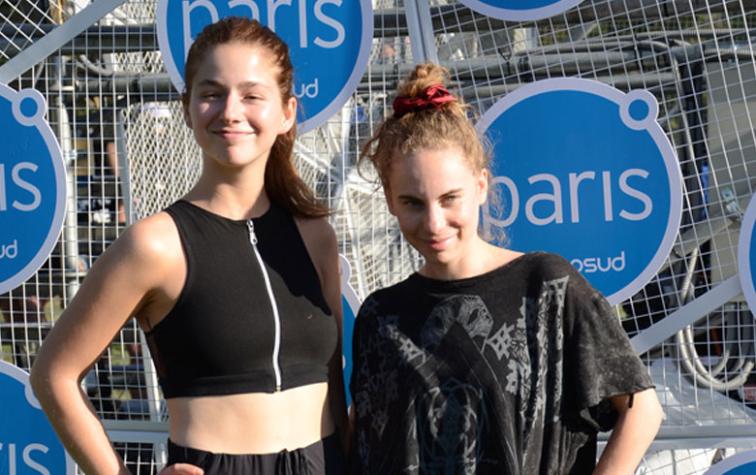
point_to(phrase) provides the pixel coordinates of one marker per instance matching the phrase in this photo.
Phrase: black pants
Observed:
(324, 457)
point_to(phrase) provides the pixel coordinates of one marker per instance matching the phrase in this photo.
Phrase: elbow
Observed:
(45, 383)
(39, 380)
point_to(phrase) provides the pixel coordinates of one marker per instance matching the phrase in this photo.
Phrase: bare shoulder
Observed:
(320, 241)
(143, 271)
(154, 239)
(148, 254)
(318, 234)
(316, 228)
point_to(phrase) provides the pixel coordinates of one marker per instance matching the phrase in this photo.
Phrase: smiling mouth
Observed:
(233, 134)
(438, 244)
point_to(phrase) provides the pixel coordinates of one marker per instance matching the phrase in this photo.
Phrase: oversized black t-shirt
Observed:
(503, 373)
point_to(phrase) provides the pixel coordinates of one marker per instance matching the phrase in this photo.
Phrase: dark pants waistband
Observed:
(323, 457)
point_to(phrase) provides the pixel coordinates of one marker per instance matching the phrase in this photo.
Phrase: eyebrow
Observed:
(244, 85)
(409, 197)
(413, 197)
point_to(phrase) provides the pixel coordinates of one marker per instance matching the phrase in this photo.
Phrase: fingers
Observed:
(182, 469)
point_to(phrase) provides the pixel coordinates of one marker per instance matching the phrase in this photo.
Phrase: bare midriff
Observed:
(252, 423)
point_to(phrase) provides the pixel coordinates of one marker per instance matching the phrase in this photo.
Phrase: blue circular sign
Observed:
(747, 254)
(329, 41)
(520, 10)
(28, 443)
(743, 463)
(585, 171)
(32, 186)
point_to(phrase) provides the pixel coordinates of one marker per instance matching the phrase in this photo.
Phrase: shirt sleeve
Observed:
(599, 361)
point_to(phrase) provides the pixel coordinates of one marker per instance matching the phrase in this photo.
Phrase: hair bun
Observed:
(435, 96)
(424, 76)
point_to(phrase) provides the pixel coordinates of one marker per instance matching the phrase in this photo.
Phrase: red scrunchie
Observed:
(433, 96)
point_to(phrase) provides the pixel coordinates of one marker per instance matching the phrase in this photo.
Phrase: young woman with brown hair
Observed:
(236, 286)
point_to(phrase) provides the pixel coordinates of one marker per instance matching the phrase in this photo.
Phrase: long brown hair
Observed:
(282, 182)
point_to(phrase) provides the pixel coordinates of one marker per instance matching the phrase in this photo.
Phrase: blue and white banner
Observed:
(329, 40)
(28, 443)
(32, 186)
(585, 171)
(743, 463)
(747, 254)
(350, 305)
(520, 10)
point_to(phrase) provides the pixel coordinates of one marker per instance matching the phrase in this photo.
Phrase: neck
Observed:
(232, 192)
(481, 257)
(464, 265)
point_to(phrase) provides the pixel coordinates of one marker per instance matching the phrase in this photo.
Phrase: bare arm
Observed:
(634, 431)
(123, 280)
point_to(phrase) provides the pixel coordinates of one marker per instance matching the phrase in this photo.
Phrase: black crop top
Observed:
(237, 326)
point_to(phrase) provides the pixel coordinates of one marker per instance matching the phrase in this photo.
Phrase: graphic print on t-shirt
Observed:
(462, 362)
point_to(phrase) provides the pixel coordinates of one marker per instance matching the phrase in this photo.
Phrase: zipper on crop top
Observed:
(274, 306)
